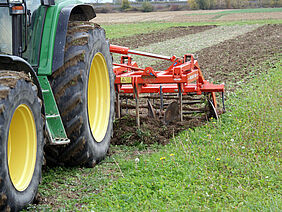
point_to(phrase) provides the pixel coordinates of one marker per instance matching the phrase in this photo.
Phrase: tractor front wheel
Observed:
(21, 140)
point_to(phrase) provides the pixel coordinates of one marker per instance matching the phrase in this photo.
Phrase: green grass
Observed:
(254, 10)
(124, 30)
(234, 163)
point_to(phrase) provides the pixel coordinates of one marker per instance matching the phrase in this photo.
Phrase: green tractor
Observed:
(56, 93)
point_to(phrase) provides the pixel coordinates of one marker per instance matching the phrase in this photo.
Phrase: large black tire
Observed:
(70, 86)
(21, 140)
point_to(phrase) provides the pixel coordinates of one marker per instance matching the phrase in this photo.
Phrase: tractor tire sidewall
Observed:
(100, 45)
(70, 88)
(13, 199)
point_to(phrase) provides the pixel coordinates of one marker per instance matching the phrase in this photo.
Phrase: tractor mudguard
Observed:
(84, 12)
(15, 63)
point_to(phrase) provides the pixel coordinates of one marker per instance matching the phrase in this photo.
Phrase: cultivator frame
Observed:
(183, 77)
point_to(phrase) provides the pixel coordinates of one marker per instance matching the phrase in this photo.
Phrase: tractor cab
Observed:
(5, 30)
(21, 27)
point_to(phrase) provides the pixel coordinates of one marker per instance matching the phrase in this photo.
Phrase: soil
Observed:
(151, 131)
(10, 79)
(249, 16)
(230, 61)
(181, 16)
(139, 40)
(227, 62)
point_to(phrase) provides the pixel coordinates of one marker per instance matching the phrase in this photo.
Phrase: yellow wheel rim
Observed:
(22, 145)
(99, 97)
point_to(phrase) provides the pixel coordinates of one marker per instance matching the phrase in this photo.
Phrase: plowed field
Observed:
(185, 16)
(225, 60)
(140, 40)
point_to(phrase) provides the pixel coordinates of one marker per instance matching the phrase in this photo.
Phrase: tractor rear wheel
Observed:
(21, 140)
(84, 91)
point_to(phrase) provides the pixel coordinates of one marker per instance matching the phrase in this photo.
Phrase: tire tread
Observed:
(12, 84)
(68, 84)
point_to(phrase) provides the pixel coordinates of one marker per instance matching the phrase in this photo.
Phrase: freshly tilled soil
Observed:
(230, 61)
(151, 131)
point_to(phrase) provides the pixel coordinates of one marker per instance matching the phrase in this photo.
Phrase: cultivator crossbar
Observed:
(182, 79)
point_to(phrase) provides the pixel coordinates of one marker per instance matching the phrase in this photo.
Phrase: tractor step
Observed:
(54, 125)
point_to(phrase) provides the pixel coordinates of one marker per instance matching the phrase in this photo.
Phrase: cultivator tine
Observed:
(214, 99)
(126, 103)
(162, 100)
(137, 107)
(151, 110)
(193, 112)
(223, 106)
(213, 110)
(171, 113)
(193, 102)
(118, 108)
(180, 102)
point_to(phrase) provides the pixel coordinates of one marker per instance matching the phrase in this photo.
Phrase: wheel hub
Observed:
(98, 97)
(22, 145)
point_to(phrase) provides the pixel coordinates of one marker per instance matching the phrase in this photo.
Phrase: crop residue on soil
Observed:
(139, 40)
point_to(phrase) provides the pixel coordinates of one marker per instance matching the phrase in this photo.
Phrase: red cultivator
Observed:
(181, 80)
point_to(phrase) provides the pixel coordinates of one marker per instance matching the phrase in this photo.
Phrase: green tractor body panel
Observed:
(54, 122)
(48, 37)
(33, 51)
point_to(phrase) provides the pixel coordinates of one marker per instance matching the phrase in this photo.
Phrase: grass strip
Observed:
(192, 43)
(234, 163)
(126, 30)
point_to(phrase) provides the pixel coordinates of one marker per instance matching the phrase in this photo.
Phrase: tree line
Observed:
(229, 4)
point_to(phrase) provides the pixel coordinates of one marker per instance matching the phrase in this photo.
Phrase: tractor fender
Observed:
(15, 63)
(82, 12)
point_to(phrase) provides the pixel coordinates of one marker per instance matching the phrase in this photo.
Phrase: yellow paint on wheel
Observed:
(22, 147)
(99, 93)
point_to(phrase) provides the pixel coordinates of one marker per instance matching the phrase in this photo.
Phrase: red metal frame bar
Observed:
(183, 71)
(126, 51)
